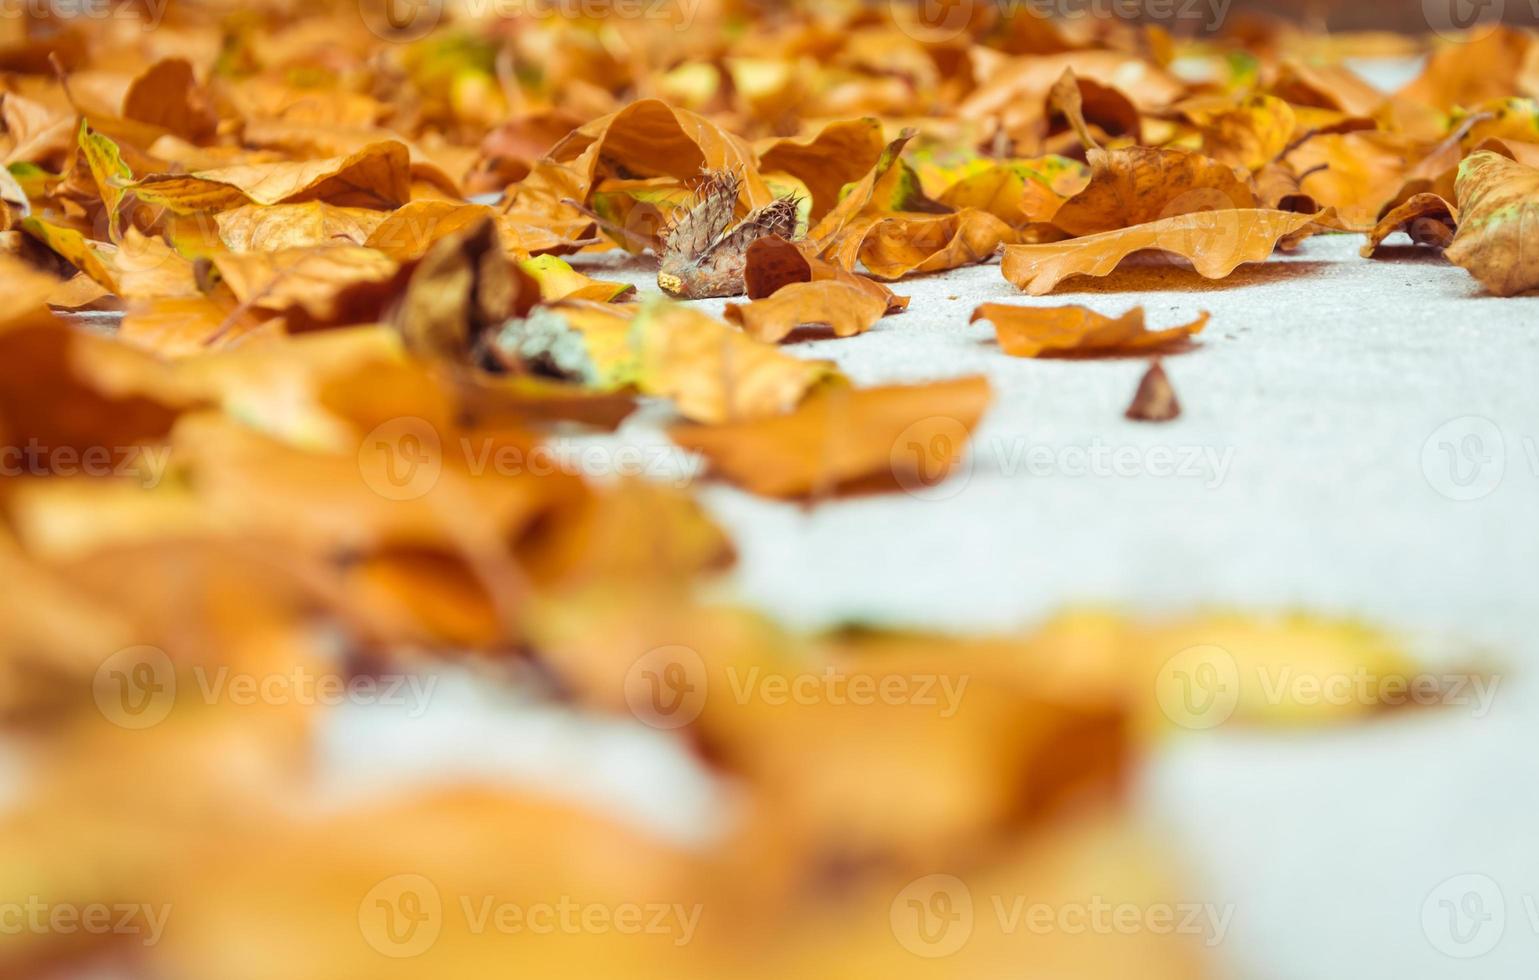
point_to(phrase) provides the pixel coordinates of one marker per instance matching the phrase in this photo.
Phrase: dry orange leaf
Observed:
(839, 154)
(874, 191)
(844, 308)
(1248, 133)
(1477, 69)
(652, 139)
(250, 482)
(269, 228)
(1026, 81)
(377, 176)
(462, 289)
(408, 232)
(892, 246)
(81, 252)
(1356, 173)
(1141, 184)
(1215, 242)
(1427, 218)
(1498, 237)
(1014, 192)
(34, 132)
(27, 290)
(714, 373)
(1045, 331)
(313, 279)
(1326, 86)
(179, 326)
(558, 280)
(167, 95)
(138, 267)
(772, 262)
(910, 435)
(1277, 187)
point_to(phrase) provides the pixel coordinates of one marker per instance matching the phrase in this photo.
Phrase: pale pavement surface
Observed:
(1358, 438)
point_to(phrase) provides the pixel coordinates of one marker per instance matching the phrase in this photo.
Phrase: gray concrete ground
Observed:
(1358, 438)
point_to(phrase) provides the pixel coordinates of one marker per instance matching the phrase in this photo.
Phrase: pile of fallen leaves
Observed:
(294, 295)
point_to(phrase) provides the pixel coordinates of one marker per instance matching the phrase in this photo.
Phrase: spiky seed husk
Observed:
(704, 253)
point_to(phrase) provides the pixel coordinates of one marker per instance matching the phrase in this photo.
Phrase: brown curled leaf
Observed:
(1427, 218)
(464, 287)
(1141, 184)
(772, 262)
(844, 308)
(1215, 242)
(896, 245)
(377, 176)
(1046, 331)
(168, 95)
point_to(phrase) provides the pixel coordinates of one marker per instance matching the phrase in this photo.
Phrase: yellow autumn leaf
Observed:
(558, 280)
(712, 372)
(908, 437)
(1498, 218)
